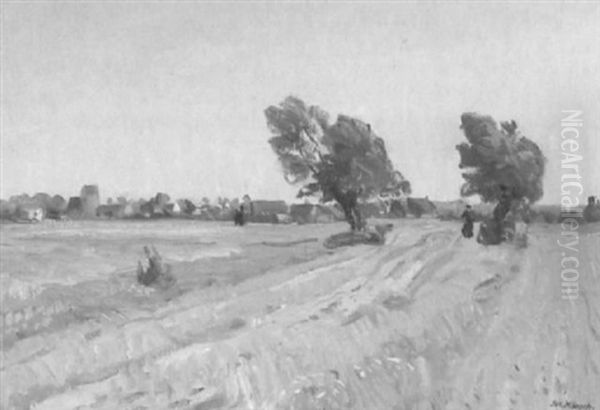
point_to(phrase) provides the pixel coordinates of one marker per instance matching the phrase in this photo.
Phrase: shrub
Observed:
(157, 274)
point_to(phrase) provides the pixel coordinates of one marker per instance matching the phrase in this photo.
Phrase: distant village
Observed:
(88, 205)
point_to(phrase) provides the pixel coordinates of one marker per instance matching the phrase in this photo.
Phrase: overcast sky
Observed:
(146, 97)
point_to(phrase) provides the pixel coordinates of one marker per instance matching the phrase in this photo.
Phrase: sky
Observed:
(142, 97)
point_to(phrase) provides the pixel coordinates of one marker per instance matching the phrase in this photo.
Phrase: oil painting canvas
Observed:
(300, 205)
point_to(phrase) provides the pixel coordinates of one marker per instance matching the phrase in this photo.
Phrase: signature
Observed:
(571, 405)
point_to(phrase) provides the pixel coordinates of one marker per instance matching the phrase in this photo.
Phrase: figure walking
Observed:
(238, 217)
(468, 217)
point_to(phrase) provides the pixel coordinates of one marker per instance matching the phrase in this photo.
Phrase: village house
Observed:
(31, 212)
(448, 210)
(267, 211)
(420, 206)
(315, 213)
(74, 207)
(374, 208)
(90, 200)
(130, 209)
(172, 209)
(111, 211)
(396, 209)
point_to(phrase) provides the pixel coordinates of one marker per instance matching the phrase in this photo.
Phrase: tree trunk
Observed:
(349, 202)
(349, 214)
(358, 218)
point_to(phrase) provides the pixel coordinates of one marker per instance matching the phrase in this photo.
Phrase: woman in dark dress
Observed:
(467, 229)
(238, 216)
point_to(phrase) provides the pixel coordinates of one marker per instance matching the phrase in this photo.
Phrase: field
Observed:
(264, 317)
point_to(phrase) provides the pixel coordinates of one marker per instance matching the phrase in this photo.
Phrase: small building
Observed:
(448, 210)
(111, 211)
(74, 208)
(30, 212)
(146, 209)
(396, 209)
(90, 200)
(315, 213)
(172, 209)
(374, 208)
(266, 211)
(259, 207)
(420, 206)
(150, 209)
(130, 209)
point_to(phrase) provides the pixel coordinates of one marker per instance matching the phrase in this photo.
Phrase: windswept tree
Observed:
(344, 161)
(501, 165)
(499, 156)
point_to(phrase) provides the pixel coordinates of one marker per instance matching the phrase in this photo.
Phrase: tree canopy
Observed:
(330, 159)
(498, 156)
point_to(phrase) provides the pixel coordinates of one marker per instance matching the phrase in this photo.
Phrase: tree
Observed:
(57, 206)
(345, 161)
(42, 199)
(161, 199)
(187, 206)
(501, 165)
(7, 209)
(498, 156)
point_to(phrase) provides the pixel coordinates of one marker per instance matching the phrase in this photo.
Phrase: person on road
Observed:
(238, 216)
(468, 217)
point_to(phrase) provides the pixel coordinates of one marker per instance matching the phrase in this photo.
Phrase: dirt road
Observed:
(428, 321)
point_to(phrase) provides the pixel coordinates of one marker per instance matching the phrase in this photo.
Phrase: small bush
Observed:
(157, 274)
